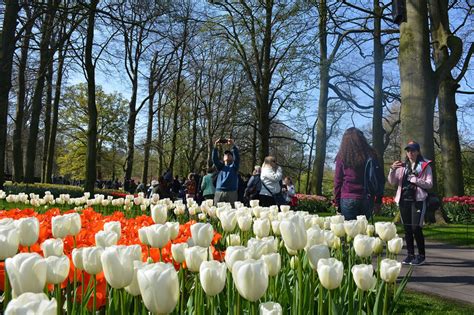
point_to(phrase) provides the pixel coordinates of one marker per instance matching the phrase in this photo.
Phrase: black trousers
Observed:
(412, 214)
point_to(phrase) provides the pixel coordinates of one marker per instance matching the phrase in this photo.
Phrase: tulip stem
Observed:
(385, 300)
(95, 295)
(82, 289)
(159, 254)
(320, 299)
(361, 295)
(330, 302)
(300, 285)
(181, 300)
(6, 294)
(57, 288)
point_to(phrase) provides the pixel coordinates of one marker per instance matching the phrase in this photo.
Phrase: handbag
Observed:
(278, 197)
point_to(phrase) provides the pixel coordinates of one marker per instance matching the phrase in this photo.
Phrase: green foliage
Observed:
(421, 303)
(314, 206)
(112, 115)
(458, 212)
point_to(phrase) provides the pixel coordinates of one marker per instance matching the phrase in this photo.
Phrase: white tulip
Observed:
(385, 230)
(370, 230)
(29, 230)
(27, 273)
(378, 246)
(113, 226)
(270, 308)
(273, 263)
(330, 272)
(142, 236)
(77, 258)
(233, 239)
(338, 229)
(9, 239)
(177, 251)
(395, 245)
(159, 213)
(195, 256)
(91, 259)
(228, 220)
(234, 254)
(363, 245)
(158, 235)
(315, 253)
(363, 276)
(174, 229)
(202, 234)
(117, 263)
(133, 288)
(245, 222)
(276, 227)
(293, 232)
(315, 236)
(336, 219)
(32, 303)
(261, 227)
(57, 269)
(106, 239)
(254, 203)
(212, 275)
(64, 225)
(159, 287)
(351, 228)
(389, 270)
(250, 278)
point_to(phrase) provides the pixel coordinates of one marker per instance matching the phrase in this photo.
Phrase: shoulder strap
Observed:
(424, 164)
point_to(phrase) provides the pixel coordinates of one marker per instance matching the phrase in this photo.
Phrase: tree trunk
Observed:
(321, 132)
(45, 59)
(377, 127)
(178, 95)
(160, 132)
(149, 130)
(254, 147)
(417, 79)
(20, 105)
(131, 122)
(54, 123)
(453, 182)
(6, 61)
(91, 157)
(47, 120)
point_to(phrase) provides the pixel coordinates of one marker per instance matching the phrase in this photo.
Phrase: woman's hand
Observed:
(396, 164)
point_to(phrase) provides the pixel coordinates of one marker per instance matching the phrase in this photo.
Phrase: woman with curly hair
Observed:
(350, 194)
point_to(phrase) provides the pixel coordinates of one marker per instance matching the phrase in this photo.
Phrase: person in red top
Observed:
(350, 196)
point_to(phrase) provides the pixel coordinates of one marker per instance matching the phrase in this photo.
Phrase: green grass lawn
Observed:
(420, 303)
(456, 234)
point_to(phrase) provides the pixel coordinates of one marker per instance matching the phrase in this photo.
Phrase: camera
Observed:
(223, 140)
(409, 189)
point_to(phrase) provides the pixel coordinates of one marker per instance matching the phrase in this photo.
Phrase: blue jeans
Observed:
(351, 208)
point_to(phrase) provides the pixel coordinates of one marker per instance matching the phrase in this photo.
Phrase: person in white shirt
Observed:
(271, 175)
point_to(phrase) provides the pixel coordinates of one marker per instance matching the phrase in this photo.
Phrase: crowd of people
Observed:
(223, 182)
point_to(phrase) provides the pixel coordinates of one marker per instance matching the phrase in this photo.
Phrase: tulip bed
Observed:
(165, 257)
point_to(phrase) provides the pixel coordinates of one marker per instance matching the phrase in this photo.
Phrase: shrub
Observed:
(313, 203)
(55, 189)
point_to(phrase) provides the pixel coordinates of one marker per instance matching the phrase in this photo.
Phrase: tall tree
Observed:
(447, 51)
(7, 49)
(182, 43)
(91, 157)
(37, 102)
(21, 98)
(265, 35)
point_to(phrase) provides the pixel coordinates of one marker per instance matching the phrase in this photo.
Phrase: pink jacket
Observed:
(423, 181)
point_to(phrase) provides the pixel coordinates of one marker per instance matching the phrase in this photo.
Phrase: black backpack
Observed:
(374, 180)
